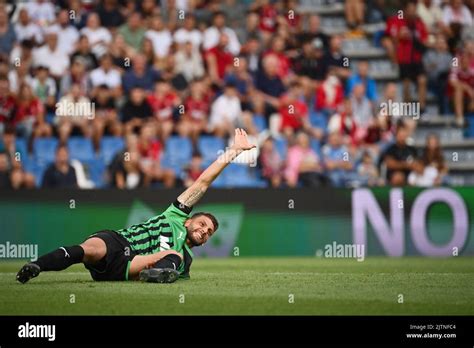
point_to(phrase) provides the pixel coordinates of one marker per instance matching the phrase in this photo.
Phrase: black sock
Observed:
(61, 258)
(169, 261)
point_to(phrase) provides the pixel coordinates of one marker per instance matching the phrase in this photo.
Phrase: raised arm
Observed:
(199, 187)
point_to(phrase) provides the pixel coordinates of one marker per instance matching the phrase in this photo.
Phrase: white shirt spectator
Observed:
(426, 179)
(212, 35)
(31, 31)
(225, 108)
(161, 41)
(190, 66)
(98, 39)
(67, 37)
(49, 84)
(15, 81)
(362, 111)
(41, 13)
(462, 17)
(56, 61)
(110, 78)
(182, 35)
(429, 15)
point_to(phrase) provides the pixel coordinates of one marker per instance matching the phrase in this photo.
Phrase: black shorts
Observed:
(411, 71)
(116, 262)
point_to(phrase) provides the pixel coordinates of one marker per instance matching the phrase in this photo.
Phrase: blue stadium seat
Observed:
(95, 168)
(316, 146)
(178, 153)
(281, 146)
(238, 175)
(80, 148)
(317, 120)
(209, 147)
(44, 150)
(109, 147)
(260, 122)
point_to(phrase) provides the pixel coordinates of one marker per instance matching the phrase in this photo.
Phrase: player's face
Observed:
(200, 229)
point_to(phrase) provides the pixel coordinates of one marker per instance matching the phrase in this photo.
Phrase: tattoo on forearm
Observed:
(193, 196)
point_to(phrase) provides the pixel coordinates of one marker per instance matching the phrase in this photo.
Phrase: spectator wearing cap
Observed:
(25, 29)
(133, 31)
(188, 33)
(50, 56)
(213, 35)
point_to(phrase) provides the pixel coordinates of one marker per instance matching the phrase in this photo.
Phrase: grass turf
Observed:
(256, 286)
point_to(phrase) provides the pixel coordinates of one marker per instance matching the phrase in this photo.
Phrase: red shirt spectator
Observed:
(329, 94)
(25, 109)
(402, 31)
(196, 109)
(150, 150)
(284, 63)
(292, 112)
(268, 15)
(223, 59)
(7, 108)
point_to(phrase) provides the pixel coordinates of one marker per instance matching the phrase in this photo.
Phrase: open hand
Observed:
(241, 141)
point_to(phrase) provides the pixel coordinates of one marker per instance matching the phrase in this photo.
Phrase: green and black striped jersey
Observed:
(162, 232)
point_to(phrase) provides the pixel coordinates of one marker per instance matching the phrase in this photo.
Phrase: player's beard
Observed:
(193, 241)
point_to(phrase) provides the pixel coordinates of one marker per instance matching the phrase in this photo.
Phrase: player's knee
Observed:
(93, 251)
(173, 252)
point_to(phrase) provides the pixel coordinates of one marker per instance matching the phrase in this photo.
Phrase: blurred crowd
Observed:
(151, 70)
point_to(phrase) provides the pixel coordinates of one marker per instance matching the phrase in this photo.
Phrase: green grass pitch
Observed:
(256, 286)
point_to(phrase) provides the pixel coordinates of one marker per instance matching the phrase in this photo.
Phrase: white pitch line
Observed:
(62, 273)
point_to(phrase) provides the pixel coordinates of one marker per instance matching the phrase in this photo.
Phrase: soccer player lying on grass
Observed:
(157, 250)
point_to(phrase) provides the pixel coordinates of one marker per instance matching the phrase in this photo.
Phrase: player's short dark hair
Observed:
(210, 216)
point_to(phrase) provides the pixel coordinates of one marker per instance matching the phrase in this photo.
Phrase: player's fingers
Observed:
(244, 132)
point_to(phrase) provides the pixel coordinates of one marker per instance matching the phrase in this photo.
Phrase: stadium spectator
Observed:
(437, 63)
(44, 87)
(432, 16)
(125, 172)
(362, 77)
(218, 60)
(193, 170)
(150, 150)
(250, 30)
(160, 36)
(368, 174)
(22, 55)
(106, 74)
(314, 32)
(188, 33)
(355, 14)
(294, 114)
(133, 31)
(239, 76)
(277, 48)
(303, 165)
(41, 12)
(7, 104)
(164, 103)
(362, 108)
(106, 116)
(7, 33)
(212, 36)
(251, 51)
(68, 35)
(422, 175)
(84, 53)
(121, 53)
(136, 111)
(329, 94)
(60, 174)
(456, 15)
(109, 14)
(461, 82)
(337, 161)
(336, 60)
(268, 82)
(271, 163)
(77, 74)
(399, 158)
(50, 56)
(140, 75)
(5, 173)
(98, 36)
(189, 62)
(344, 123)
(29, 119)
(196, 109)
(408, 37)
(73, 113)
(226, 112)
(25, 29)
(433, 157)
